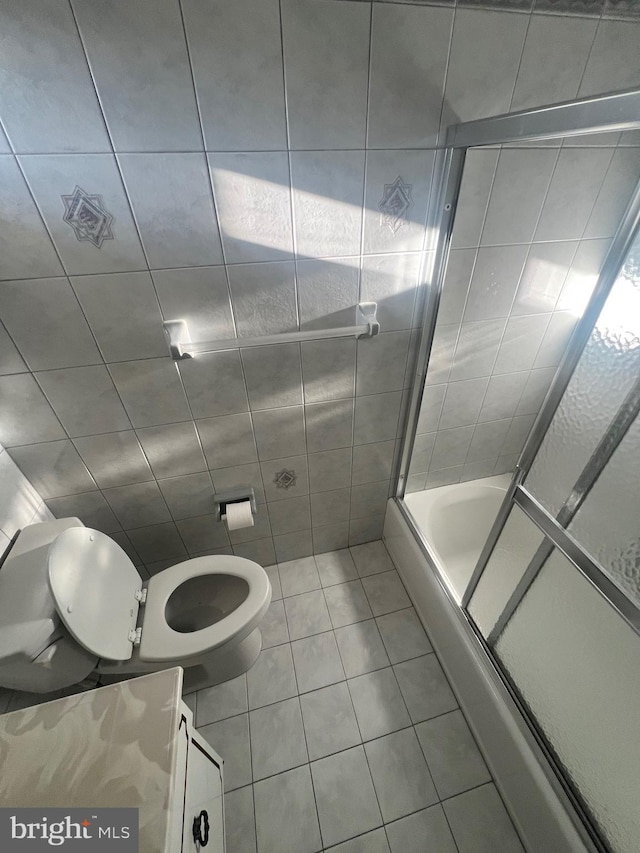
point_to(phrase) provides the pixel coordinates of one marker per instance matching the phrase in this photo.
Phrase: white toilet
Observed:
(72, 603)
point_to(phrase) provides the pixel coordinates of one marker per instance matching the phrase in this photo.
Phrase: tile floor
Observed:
(345, 734)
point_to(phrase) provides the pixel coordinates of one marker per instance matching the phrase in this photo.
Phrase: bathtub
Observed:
(435, 566)
(456, 520)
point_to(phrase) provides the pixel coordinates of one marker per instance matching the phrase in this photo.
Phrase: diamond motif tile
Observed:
(396, 201)
(88, 217)
(285, 479)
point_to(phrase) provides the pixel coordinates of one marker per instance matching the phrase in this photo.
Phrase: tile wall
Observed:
(254, 167)
(20, 503)
(533, 229)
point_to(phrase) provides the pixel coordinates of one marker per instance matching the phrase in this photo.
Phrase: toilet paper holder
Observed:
(234, 496)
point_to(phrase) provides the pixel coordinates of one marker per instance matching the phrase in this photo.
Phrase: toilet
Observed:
(72, 604)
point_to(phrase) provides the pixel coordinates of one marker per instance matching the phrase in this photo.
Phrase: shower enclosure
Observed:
(528, 380)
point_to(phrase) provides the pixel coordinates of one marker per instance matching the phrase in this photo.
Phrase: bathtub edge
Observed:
(542, 820)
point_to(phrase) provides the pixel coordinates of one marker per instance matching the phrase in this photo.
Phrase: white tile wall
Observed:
(20, 503)
(510, 305)
(257, 167)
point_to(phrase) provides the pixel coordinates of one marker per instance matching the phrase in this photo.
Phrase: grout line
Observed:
(85, 54)
(531, 245)
(113, 153)
(515, 292)
(466, 299)
(308, 763)
(589, 54)
(446, 817)
(527, 144)
(304, 731)
(517, 74)
(65, 273)
(216, 212)
(333, 258)
(202, 134)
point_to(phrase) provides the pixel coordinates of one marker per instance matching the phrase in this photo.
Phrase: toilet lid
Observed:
(94, 586)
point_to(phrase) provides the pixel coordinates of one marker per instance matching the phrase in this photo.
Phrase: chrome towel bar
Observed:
(181, 346)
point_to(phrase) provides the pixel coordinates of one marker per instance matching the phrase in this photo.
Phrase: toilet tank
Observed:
(37, 654)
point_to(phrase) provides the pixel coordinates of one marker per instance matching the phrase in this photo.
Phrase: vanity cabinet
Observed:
(203, 799)
(130, 744)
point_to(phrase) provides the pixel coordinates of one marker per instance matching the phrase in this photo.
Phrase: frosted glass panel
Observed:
(518, 542)
(607, 369)
(608, 523)
(577, 666)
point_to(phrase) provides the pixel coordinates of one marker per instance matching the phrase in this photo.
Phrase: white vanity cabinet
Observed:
(129, 744)
(203, 800)
(198, 795)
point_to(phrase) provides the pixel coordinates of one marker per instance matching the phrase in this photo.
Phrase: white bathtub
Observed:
(456, 520)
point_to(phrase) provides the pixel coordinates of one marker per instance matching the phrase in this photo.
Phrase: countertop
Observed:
(114, 746)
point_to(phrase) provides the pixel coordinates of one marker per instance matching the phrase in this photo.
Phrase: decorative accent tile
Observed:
(285, 479)
(88, 217)
(396, 201)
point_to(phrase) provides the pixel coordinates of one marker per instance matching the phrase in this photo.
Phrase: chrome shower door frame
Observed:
(608, 113)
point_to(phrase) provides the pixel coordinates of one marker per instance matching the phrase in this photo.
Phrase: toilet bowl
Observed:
(72, 602)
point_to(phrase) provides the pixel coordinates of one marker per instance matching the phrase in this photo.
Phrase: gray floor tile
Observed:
(286, 818)
(223, 700)
(272, 677)
(378, 703)
(400, 774)
(361, 648)
(403, 635)
(317, 662)
(336, 567)
(345, 796)
(298, 576)
(230, 739)
(385, 593)
(239, 821)
(276, 587)
(454, 759)
(371, 558)
(347, 603)
(480, 823)
(423, 832)
(425, 688)
(274, 626)
(307, 614)
(372, 842)
(277, 738)
(329, 720)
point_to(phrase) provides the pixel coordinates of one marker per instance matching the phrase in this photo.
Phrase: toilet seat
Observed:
(160, 642)
(98, 592)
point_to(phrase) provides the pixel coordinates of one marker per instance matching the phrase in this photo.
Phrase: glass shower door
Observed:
(559, 598)
(532, 228)
(522, 372)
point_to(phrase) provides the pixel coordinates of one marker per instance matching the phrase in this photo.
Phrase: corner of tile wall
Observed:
(20, 503)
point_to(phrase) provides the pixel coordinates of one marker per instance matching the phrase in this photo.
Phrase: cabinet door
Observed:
(203, 794)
